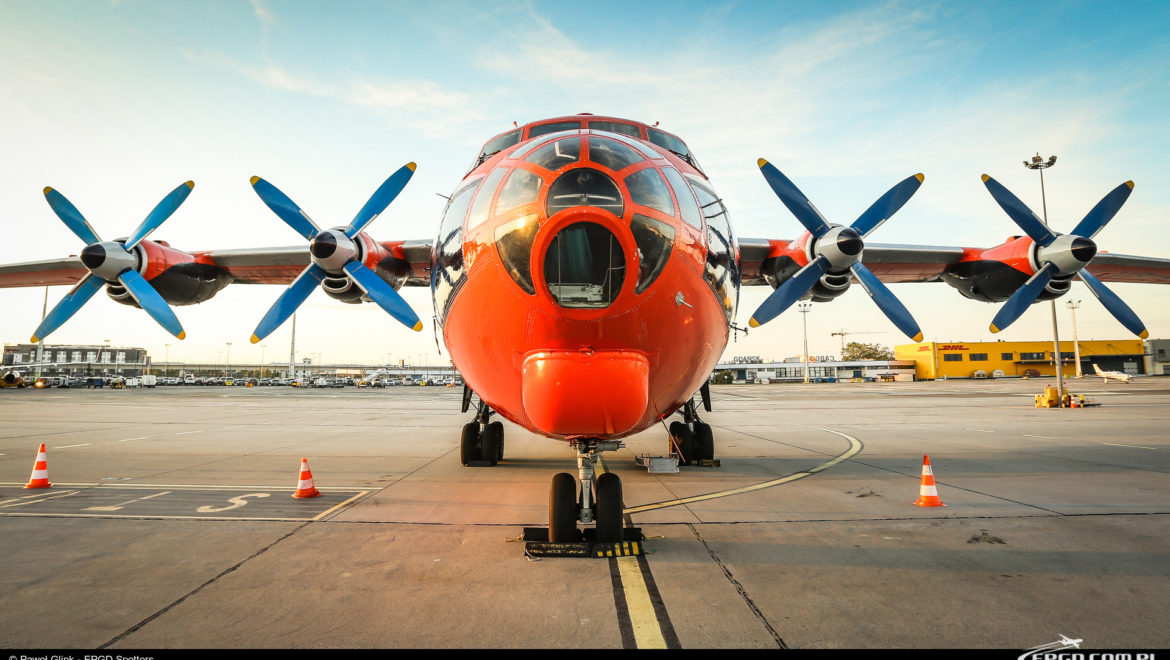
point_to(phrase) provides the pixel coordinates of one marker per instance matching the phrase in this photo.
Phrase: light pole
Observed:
(167, 361)
(804, 309)
(262, 360)
(1038, 163)
(1073, 305)
(227, 363)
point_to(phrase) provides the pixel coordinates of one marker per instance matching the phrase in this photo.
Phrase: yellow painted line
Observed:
(328, 511)
(87, 444)
(643, 620)
(854, 448)
(119, 507)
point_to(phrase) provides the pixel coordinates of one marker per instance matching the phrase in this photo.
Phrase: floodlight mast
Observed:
(1038, 163)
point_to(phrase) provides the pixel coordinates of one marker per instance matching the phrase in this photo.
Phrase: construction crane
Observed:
(843, 332)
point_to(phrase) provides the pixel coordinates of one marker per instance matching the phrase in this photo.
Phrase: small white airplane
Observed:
(1112, 375)
(1070, 643)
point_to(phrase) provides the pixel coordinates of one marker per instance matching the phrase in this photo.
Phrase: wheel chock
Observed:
(536, 544)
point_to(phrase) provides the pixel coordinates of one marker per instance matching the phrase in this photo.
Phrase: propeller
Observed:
(1063, 255)
(837, 249)
(334, 252)
(112, 261)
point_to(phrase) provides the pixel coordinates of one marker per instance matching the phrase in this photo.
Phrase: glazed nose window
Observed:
(584, 186)
(584, 266)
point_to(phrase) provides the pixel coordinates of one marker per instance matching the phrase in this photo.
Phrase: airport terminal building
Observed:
(78, 360)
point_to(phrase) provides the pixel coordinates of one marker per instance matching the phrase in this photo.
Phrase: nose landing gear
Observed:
(482, 442)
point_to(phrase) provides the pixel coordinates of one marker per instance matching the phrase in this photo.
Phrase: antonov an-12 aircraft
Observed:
(585, 278)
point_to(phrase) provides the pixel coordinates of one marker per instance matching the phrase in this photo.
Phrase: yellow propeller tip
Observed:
(255, 339)
(412, 166)
(254, 180)
(985, 178)
(920, 176)
(35, 339)
(182, 334)
(754, 323)
(48, 189)
(993, 328)
(761, 162)
(917, 338)
(1145, 334)
(190, 184)
(417, 327)
(1130, 184)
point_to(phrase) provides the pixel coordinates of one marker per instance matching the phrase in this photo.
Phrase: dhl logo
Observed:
(952, 347)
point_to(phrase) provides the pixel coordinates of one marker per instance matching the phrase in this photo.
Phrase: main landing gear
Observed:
(692, 438)
(598, 501)
(482, 442)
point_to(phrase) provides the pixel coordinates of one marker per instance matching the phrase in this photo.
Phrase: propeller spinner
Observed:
(837, 249)
(1063, 255)
(112, 261)
(333, 252)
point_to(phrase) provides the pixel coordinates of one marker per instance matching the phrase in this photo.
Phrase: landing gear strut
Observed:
(599, 500)
(693, 437)
(482, 442)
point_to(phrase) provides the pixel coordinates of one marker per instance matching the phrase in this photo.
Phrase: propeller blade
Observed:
(383, 294)
(887, 302)
(149, 300)
(887, 205)
(71, 216)
(1104, 211)
(289, 301)
(1024, 296)
(789, 292)
(285, 209)
(1019, 212)
(159, 215)
(805, 212)
(1116, 307)
(73, 301)
(380, 199)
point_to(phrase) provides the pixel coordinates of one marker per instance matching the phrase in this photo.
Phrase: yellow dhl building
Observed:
(937, 360)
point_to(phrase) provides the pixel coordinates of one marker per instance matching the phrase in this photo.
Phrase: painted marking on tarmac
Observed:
(855, 447)
(39, 497)
(119, 507)
(979, 430)
(188, 432)
(1042, 437)
(643, 619)
(129, 439)
(87, 444)
(1114, 444)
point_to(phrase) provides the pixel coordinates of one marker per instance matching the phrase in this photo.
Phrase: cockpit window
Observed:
(686, 198)
(648, 189)
(545, 129)
(612, 154)
(584, 186)
(447, 255)
(615, 127)
(483, 199)
(522, 187)
(654, 239)
(584, 266)
(670, 143)
(721, 270)
(498, 144)
(514, 244)
(555, 155)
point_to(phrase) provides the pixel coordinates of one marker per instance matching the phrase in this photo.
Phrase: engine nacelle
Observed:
(392, 269)
(830, 286)
(180, 278)
(343, 289)
(778, 270)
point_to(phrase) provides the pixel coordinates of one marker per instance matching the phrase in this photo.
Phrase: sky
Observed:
(116, 103)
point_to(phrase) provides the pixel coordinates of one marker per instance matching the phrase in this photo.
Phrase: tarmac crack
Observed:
(138, 626)
(739, 588)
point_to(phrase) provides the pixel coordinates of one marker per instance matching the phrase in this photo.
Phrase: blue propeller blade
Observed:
(289, 301)
(161, 212)
(1116, 307)
(890, 306)
(285, 208)
(73, 301)
(789, 292)
(887, 205)
(1104, 211)
(795, 200)
(1019, 212)
(71, 216)
(149, 300)
(383, 294)
(1022, 298)
(380, 199)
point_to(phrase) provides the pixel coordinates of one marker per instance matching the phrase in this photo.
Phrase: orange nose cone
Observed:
(576, 393)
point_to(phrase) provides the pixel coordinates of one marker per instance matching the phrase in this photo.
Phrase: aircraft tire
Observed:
(686, 442)
(499, 433)
(469, 443)
(562, 509)
(609, 508)
(489, 442)
(704, 441)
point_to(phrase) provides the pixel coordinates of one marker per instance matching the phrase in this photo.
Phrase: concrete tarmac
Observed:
(170, 523)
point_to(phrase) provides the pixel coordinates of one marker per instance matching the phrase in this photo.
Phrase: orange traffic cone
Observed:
(305, 487)
(927, 492)
(40, 473)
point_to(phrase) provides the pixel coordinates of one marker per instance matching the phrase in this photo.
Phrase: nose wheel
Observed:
(482, 442)
(692, 439)
(598, 501)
